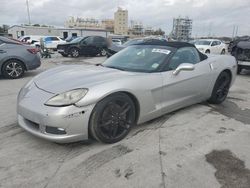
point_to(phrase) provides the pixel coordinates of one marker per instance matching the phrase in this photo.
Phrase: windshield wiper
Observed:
(99, 64)
(113, 67)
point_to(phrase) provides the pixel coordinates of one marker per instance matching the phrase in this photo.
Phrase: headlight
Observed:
(201, 49)
(67, 98)
(25, 89)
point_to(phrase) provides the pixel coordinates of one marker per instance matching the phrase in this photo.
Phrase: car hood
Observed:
(65, 78)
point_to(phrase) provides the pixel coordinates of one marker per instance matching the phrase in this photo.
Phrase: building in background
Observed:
(121, 22)
(148, 31)
(136, 28)
(182, 29)
(17, 31)
(86, 23)
(108, 25)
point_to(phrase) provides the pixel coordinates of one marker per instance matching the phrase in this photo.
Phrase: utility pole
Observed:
(28, 10)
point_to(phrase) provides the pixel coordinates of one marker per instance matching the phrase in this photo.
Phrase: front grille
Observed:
(33, 124)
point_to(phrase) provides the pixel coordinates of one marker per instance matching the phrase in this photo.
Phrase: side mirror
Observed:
(183, 67)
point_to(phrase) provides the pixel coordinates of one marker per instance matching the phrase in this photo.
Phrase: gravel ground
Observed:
(199, 146)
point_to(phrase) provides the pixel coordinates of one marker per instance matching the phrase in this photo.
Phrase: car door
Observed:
(214, 47)
(186, 87)
(3, 51)
(86, 45)
(54, 42)
(220, 47)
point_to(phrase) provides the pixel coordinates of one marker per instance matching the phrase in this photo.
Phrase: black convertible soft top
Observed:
(176, 45)
(158, 42)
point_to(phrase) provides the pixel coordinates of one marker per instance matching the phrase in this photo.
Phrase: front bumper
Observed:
(57, 124)
(244, 64)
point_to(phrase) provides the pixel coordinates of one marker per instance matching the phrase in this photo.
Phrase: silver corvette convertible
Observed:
(141, 82)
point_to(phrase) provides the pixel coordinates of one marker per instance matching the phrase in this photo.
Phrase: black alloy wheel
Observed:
(103, 52)
(75, 52)
(221, 88)
(13, 69)
(112, 118)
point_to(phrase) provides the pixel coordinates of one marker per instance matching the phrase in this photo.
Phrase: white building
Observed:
(16, 31)
(121, 22)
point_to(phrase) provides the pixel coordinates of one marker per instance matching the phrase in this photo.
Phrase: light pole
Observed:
(28, 10)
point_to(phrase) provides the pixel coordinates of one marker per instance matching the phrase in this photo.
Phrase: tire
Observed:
(223, 52)
(221, 88)
(112, 118)
(239, 69)
(64, 55)
(13, 69)
(207, 52)
(75, 52)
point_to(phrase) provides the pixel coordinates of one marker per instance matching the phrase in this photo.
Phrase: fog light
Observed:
(55, 130)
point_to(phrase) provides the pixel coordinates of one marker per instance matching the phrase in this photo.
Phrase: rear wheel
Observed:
(221, 88)
(112, 118)
(207, 51)
(239, 69)
(75, 52)
(223, 51)
(13, 69)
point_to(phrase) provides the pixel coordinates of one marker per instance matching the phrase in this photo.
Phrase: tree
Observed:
(159, 32)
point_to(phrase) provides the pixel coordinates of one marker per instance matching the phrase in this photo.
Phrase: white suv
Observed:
(51, 42)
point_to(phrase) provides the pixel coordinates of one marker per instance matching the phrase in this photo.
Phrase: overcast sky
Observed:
(217, 17)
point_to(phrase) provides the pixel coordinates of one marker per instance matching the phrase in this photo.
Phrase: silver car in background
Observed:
(139, 83)
(16, 58)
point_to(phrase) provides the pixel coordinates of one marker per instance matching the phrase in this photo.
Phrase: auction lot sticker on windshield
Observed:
(163, 51)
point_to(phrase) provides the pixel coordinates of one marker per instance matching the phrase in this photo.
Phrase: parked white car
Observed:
(51, 42)
(212, 46)
(117, 41)
(33, 40)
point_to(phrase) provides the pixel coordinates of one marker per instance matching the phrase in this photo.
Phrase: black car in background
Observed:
(87, 46)
(241, 51)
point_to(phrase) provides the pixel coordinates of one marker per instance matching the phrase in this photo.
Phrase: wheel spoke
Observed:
(125, 108)
(125, 124)
(106, 123)
(114, 131)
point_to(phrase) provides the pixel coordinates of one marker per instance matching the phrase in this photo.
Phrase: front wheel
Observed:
(239, 69)
(112, 118)
(75, 52)
(221, 88)
(13, 69)
(223, 52)
(207, 52)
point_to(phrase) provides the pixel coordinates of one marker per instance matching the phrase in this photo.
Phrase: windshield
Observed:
(132, 42)
(76, 40)
(139, 58)
(203, 42)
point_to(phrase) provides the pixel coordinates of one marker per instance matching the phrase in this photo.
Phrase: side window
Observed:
(47, 39)
(1, 42)
(88, 41)
(214, 43)
(54, 38)
(97, 40)
(184, 55)
(218, 42)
